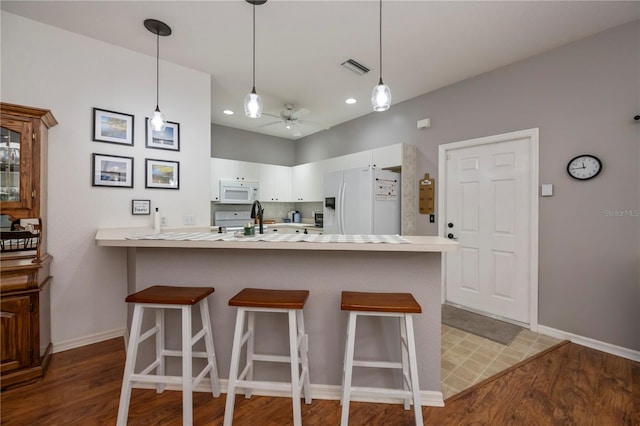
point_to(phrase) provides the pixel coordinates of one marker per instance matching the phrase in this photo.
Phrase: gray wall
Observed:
(241, 145)
(582, 97)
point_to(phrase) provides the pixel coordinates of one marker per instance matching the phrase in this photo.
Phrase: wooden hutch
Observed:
(25, 280)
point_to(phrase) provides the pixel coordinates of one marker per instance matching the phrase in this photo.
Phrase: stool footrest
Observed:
(272, 358)
(255, 384)
(403, 394)
(377, 364)
(178, 353)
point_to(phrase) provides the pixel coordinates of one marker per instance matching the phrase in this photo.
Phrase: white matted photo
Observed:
(169, 138)
(112, 127)
(162, 174)
(112, 170)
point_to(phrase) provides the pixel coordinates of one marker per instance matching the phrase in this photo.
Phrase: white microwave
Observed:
(238, 192)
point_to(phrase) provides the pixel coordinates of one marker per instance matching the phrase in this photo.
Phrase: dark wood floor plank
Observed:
(567, 385)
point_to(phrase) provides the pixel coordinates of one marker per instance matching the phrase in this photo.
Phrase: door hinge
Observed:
(448, 156)
(33, 136)
(30, 307)
(33, 194)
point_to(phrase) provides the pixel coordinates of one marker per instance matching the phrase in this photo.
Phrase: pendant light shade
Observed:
(381, 96)
(253, 102)
(158, 122)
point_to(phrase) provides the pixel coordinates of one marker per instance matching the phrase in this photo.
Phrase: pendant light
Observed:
(381, 96)
(158, 122)
(253, 102)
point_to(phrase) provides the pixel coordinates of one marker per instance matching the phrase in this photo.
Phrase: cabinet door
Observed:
(302, 179)
(222, 169)
(387, 156)
(16, 163)
(281, 183)
(249, 172)
(15, 320)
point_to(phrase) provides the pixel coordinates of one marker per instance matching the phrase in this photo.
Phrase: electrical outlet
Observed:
(163, 221)
(189, 219)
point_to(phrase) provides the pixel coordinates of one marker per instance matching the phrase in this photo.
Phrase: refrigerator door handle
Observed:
(341, 196)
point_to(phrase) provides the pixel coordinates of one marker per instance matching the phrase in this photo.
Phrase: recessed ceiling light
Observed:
(350, 101)
(228, 112)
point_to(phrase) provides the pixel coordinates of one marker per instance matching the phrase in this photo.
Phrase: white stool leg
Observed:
(233, 370)
(129, 366)
(210, 347)
(295, 370)
(304, 357)
(405, 361)
(251, 324)
(187, 368)
(413, 367)
(160, 348)
(346, 386)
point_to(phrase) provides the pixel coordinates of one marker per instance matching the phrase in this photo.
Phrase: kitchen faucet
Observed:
(259, 213)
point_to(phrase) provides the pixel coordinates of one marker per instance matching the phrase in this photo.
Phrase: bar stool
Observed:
(399, 305)
(290, 302)
(160, 298)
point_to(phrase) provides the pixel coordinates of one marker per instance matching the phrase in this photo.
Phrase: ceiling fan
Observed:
(292, 118)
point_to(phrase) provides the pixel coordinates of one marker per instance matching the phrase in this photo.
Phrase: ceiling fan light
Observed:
(158, 122)
(381, 97)
(253, 105)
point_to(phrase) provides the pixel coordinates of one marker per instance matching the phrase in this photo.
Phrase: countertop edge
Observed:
(117, 237)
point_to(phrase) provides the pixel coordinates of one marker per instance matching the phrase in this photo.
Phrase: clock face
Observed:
(584, 167)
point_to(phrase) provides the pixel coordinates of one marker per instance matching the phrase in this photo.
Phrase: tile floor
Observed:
(468, 359)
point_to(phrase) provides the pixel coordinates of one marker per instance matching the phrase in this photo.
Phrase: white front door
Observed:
(489, 204)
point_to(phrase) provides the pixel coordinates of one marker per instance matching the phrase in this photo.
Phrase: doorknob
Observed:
(451, 237)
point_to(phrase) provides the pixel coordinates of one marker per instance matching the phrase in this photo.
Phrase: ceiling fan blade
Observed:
(268, 124)
(314, 123)
(299, 113)
(272, 115)
(295, 131)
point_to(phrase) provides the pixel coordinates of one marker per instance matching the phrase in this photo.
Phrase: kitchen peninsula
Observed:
(405, 264)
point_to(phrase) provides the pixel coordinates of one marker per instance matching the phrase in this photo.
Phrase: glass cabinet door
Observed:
(15, 163)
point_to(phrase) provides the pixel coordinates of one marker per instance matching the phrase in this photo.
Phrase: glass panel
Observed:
(9, 165)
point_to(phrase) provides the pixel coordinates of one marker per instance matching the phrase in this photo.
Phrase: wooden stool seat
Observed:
(395, 305)
(166, 295)
(160, 298)
(379, 302)
(250, 301)
(265, 298)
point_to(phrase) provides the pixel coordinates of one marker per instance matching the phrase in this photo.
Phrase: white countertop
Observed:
(121, 237)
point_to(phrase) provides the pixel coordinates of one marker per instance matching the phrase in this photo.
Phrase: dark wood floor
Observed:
(566, 385)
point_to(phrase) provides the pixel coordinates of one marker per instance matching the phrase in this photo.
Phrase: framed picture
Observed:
(112, 170)
(112, 127)
(169, 138)
(141, 207)
(162, 174)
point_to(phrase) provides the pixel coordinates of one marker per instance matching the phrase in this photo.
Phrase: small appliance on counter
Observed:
(318, 218)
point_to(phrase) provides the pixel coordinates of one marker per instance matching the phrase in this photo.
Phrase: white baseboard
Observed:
(325, 392)
(591, 343)
(88, 340)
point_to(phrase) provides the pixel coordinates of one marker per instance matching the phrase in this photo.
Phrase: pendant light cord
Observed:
(380, 41)
(157, 68)
(254, 47)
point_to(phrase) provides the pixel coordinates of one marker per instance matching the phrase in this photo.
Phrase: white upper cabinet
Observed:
(275, 183)
(349, 161)
(387, 156)
(307, 181)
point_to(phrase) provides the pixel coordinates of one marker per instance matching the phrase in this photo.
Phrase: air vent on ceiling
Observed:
(356, 67)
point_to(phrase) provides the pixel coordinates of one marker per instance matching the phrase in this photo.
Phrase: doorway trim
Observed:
(533, 136)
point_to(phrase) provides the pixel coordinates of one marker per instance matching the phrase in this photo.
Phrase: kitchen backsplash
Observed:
(277, 211)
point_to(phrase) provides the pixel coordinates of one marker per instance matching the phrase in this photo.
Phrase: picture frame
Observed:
(112, 170)
(113, 127)
(162, 174)
(141, 207)
(168, 139)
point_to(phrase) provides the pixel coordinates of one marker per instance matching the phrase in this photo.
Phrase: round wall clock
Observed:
(584, 167)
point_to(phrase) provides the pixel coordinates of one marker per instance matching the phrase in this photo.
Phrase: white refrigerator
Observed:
(362, 201)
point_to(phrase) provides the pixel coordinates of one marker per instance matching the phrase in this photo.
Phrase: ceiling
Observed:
(300, 45)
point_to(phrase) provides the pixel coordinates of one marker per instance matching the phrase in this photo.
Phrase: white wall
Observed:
(46, 67)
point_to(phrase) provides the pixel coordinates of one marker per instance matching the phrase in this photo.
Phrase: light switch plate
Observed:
(547, 190)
